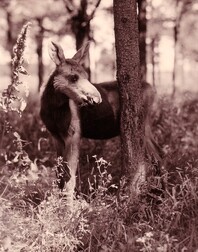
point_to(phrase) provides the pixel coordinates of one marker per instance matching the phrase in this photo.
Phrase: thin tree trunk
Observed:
(81, 31)
(80, 26)
(157, 63)
(180, 10)
(153, 61)
(10, 41)
(175, 60)
(142, 33)
(39, 50)
(128, 75)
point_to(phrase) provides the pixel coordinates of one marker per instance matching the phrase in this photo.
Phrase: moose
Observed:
(72, 108)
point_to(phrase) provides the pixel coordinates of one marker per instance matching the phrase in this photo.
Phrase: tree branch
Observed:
(94, 10)
(69, 6)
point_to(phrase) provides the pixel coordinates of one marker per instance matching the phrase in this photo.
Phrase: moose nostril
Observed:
(90, 99)
(97, 100)
(85, 100)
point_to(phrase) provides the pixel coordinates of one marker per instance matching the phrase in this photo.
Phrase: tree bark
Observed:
(131, 97)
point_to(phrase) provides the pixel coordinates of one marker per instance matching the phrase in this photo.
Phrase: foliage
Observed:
(105, 224)
(176, 130)
(49, 227)
(32, 205)
(10, 97)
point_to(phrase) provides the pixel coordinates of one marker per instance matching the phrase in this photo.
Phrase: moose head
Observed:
(70, 77)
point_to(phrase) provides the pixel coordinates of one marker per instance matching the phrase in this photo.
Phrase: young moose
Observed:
(72, 107)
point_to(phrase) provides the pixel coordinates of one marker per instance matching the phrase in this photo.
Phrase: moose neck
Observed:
(55, 97)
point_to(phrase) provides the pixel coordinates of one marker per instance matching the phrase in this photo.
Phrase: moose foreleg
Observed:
(72, 146)
(72, 156)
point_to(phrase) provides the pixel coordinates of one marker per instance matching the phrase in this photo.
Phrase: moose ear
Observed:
(82, 53)
(56, 53)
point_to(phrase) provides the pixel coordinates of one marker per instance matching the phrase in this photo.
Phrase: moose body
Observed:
(99, 121)
(72, 107)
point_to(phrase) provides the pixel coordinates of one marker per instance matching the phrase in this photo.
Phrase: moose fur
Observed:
(72, 108)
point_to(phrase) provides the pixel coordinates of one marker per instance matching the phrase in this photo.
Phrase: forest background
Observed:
(32, 216)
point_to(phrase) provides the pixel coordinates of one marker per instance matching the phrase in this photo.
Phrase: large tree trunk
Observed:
(142, 33)
(128, 75)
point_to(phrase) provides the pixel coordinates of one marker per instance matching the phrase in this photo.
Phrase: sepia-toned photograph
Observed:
(98, 125)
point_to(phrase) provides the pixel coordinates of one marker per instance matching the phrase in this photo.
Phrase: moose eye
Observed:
(73, 78)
